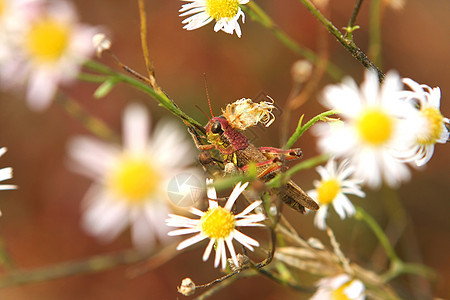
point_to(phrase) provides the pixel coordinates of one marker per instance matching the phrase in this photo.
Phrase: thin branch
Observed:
(258, 15)
(221, 283)
(301, 129)
(91, 123)
(375, 31)
(351, 22)
(348, 44)
(162, 98)
(145, 52)
(90, 265)
(361, 214)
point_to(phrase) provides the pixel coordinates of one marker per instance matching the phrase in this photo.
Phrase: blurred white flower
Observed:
(378, 128)
(226, 13)
(47, 51)
(341, 286)
(219, 225)
(13, 16)
(432, 128)
(332, 189)
(130, 182)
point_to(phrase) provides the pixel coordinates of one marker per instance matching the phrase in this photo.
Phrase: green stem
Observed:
(5, 259)
(91, 123)
(158, 96)
(301, 129)
(91, 265)
(92, 78)
(361, 214)
(257, 14)
(398, 268)
(351, 22)
(349, 45)
(375, 31)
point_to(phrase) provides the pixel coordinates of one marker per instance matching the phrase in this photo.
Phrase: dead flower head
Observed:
(243, 113)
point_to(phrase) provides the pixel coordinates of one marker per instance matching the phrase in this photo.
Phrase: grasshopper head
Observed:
(215, 130)
(225, 138)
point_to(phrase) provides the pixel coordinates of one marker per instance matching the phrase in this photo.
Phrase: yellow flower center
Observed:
(222, 9)
(217, 223)
(339, 294)
(134, 179)
(435, 119)
(2, 6)
(375, 127)
(328, 190)
(48, 39)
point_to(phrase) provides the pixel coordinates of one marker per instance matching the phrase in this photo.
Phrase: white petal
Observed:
(183, 231)
(6, 173)
(355, 290)
(343, 206)
(208, 250)
(245, 240)
(41, 88)
(219, 247)
(320, 217)
(249, 208)
(135, 128)
(92, 157)
(235, 194)
(191, 241)
(105, 219)
(232, 252)
(211, 191)
(142, 233)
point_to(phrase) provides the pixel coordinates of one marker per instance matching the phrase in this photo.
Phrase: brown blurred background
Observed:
(40, 222)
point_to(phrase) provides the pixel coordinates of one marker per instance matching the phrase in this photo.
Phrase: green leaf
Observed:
(105, 87)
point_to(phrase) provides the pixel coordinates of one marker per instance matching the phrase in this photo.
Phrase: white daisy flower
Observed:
(130, 182)
(50, 48)
(377, 131)
(13, 14)
(219, 225)
(432, 128)
(332, 189)
(225, 12)
(341, 286)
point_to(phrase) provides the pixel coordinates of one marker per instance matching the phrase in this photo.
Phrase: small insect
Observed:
(224, 134)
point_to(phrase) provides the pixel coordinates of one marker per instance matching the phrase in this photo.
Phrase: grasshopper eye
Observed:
(217, 128)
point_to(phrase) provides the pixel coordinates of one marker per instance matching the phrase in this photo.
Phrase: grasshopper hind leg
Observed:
(294, 196)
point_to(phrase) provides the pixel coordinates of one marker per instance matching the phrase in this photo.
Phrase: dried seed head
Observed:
(231, 169)
(101, 43)
(301, 71)
(243, 113)
(396, 4)
(187, 287)
(315, 243)
(243, 261)
(273, 210)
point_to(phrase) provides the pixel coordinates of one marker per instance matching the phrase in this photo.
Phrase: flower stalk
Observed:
(348, 44)
(257, 14)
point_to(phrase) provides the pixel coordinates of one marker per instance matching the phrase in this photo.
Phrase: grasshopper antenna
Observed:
(207, 96)
(201, 110)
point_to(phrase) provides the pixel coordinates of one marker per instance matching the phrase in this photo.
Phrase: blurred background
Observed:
(40, 225)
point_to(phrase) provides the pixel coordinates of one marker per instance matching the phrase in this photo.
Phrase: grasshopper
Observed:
(224, 134)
